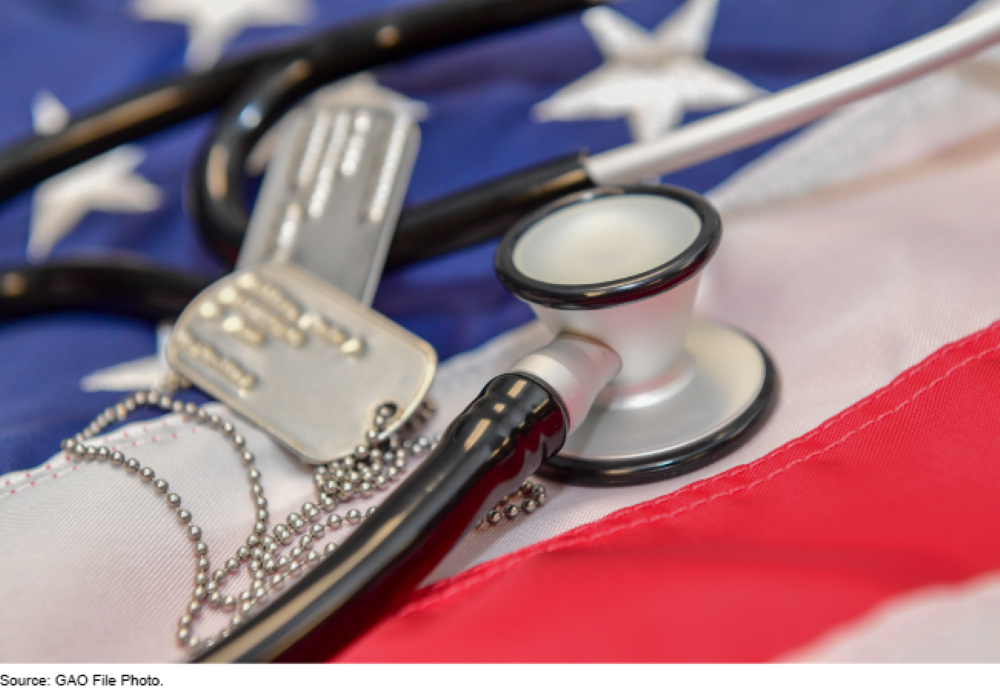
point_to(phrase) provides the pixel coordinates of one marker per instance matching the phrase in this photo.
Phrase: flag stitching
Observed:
(101, 441)
(22, 487)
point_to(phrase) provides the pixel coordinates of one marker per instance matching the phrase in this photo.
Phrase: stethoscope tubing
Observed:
(123, 285)
(93, 283)
(363, 44)
(486, 453)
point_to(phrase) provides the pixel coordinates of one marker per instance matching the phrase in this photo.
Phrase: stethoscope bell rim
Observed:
(721, 387)
(607, 294)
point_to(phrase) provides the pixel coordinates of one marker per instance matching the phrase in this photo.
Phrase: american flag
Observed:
(858, 524)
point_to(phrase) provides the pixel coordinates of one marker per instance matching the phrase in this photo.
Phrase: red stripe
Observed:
(895, 493)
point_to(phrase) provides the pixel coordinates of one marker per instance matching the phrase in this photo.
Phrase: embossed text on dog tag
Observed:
(300, 359)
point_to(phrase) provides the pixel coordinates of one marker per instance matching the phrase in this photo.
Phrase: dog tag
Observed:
(300, 359)
(335, 185)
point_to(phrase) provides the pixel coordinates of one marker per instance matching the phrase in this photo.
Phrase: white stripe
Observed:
(941, 624)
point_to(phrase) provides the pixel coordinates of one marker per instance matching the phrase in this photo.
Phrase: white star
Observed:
(214, 23)
(650, 78)
(107, 182)
(135, 374)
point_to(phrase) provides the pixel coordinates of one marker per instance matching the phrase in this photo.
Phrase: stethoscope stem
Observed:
(486, 453)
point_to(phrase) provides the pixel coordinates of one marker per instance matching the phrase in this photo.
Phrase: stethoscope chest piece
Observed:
(621, 266)
(720, 391)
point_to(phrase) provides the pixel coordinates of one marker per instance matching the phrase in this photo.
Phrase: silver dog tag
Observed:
(299, 358)
(335, 185)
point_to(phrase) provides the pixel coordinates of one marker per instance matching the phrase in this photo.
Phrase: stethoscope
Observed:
(589, 407)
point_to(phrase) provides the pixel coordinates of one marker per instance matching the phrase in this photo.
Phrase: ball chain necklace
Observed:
(276, 558)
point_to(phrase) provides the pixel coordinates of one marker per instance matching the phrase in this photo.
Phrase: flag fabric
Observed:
(857, 524)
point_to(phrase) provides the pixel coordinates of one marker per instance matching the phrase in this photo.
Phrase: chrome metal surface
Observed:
(648, 334)
(317, 368)
(606, 239)
(334, 189)
(576, 368)
(718, 376)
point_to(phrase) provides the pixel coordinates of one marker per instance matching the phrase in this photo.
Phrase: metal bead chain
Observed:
(374, 464)
(372, 467)
(528, 498)
(206, 585)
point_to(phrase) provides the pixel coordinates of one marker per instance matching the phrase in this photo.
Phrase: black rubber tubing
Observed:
(175, 99)
(137, 288)
(486, 453)
(123, 285)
